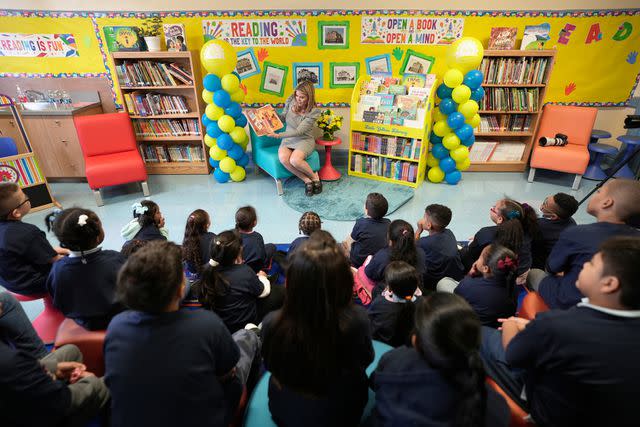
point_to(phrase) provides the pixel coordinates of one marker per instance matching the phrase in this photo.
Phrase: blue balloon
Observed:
(220, 176)
(447, 164)
(206, 121)
(211, 82)
(234, 110)
(477, 94)
(453, 177)
(455, 120)
(213, 162)
(473, 79)
(464, 132)
(435, 139)
(213, 130)
(224, 141)
(243, 161)
(448, 106)
(235, 152)
(439, 151)
(469, 141)
(221, 98)
(444, 91)
(241, 121)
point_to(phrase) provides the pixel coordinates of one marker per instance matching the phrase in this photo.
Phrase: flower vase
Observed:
(327, 136)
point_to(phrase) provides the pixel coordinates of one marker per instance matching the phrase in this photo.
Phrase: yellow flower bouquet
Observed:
(329, 123)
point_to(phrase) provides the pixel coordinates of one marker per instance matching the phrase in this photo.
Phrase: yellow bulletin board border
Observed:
(331, 14)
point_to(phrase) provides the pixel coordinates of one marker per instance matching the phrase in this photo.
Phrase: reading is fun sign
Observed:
(38, 45)
(413, 31)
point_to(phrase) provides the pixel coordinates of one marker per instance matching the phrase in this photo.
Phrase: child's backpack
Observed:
(362, 285)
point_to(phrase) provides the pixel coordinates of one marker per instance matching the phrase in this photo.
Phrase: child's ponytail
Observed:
(197, 224)
(78, 230)
(503, 264)
(145, 212)
(403, 246)
(402, 280)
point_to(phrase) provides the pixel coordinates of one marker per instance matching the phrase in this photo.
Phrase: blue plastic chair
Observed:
(258, 414)
(7, 147)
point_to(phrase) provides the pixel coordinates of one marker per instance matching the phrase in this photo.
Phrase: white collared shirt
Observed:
(75, 254)
(620, 313)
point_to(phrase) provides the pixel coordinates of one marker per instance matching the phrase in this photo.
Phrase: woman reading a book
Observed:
(298, 143)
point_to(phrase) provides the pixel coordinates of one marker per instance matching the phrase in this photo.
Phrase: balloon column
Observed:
(223, 119)
(457, 114)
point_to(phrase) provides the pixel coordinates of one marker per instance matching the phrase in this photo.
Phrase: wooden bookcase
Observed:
(192, 96)
(421, 134)
(523, 137)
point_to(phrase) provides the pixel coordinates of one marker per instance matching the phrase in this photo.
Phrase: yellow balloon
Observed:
(214, 112)
(463, 165)
(468, 109)
(226, 123)
(435, 174)
(238, 135)
(450, 141)
(237, 96)
(453, 78)
(238, 174)
(438, 115)
(474, 121)
(227, 164)
(217, 153)
(244, 144)
(230, 83)
(207, 96)
(461, 94)
(460, 153)
(218, 57)
(210, 142)
(465, 54)
(441, 128)
(432, 162)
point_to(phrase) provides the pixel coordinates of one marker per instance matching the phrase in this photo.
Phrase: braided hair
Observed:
(309, 222)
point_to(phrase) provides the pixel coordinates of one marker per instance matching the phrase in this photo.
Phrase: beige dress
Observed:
(299, 132)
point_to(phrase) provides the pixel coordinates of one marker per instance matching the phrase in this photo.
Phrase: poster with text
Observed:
(257, 32)
(414, 31)
(38, 45)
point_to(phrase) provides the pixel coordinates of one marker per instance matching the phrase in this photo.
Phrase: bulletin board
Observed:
(596, 64)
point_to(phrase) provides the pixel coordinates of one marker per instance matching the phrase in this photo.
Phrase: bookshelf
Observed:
(161, 93)
(385, 152)
(515, 82)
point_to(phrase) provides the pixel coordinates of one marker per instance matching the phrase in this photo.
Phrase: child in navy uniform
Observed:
(197, 241)
(255, 253)
(439, 380)
(369, 234)
(309, 222)
(147, 223)
(83, 285)
(580, 365)
(440, 246)
(613, 204)
(557, 212)
(391, 313)
(25, 254)
(401, 247)
(166, 366)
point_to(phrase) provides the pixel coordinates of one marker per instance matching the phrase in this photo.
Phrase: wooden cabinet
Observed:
(9, 128)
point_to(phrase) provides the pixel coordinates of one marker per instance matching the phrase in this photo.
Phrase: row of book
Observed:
(511, 99)
(151, 103)
(514, 70)
(150, 73)
(387, 145)
(505, 122)
(166, 127)
(385, 167)
(172, 153)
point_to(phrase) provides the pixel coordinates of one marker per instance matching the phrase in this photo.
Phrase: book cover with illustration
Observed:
(407, 106)
(502, 38)
(535, 36)
(264, 120)
(175, 37)
(398, 90)
(122, 39)
(373, 117)
(386, 99)
(414, 80)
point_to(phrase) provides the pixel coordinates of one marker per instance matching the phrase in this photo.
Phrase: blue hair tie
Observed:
(514, 214)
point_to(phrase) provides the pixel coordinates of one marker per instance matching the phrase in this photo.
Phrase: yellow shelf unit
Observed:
(421, 134)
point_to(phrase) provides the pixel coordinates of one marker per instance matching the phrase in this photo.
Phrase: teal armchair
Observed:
(264, 151)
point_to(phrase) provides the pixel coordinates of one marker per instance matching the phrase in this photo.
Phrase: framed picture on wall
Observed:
(378, 64)
(274, 77)
(344, 74)
(311, 71)
(333, 35)
(247, 64)
(417, 63)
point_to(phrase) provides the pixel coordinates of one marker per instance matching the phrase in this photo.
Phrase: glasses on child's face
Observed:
(25, 201)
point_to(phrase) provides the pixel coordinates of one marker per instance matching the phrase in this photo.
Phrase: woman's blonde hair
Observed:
(307, 88)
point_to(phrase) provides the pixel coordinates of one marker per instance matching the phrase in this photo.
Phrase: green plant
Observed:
(329, 122)
(151, 26)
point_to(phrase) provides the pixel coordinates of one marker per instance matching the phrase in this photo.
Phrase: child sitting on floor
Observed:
(391, 313)
(309, 222)
(440, 246)
(83, 285)
(147, 223)
(557, 212)
(255, 253)
(25, 254)
(197, 241)
(369, 234)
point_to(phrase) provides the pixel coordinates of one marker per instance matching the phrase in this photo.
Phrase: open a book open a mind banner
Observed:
(415, 31)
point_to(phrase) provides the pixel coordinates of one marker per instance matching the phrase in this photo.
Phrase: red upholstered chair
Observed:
(110, 152)
(90, 344)
(518, 415)
(47, 322)
(532, 304)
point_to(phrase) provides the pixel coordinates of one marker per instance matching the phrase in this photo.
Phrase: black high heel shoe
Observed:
(317, 187)
(308, 189)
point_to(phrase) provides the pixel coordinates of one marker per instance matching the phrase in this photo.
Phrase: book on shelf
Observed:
(411, 80)
(141, 103)
(175, 38)
(407, 106)
(385, 167)
(166, 127)
(148, 73)
(398, 90)
(508, 152)
(264, 120)
(122, 39)
(409, 148)
(525, 70)
(481, 151)
(175, 153)
(502, 38)
(511, 99)
(535, 36)
(505, 122)
(373, 116)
